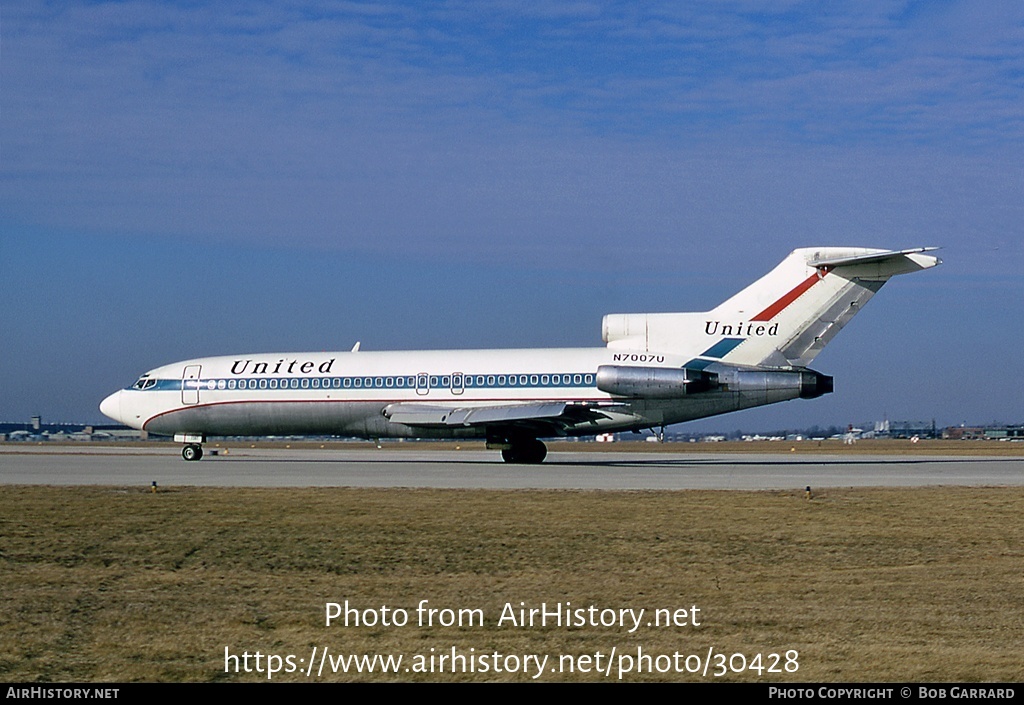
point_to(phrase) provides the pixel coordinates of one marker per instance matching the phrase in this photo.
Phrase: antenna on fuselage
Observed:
(355, 348)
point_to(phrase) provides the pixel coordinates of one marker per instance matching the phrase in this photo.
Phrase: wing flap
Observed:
(416, 415)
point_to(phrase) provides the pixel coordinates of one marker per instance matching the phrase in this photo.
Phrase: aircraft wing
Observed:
(532, 415)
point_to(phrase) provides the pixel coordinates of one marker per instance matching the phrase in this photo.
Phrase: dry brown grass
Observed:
(867, 584)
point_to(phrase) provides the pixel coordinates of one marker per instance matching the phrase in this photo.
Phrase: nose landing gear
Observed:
(193, 449)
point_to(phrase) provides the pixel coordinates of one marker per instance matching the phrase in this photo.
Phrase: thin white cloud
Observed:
(565, 126)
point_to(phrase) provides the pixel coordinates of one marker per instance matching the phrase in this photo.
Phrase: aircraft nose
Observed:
(111, 407)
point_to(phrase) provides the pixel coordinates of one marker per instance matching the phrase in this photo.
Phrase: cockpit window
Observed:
(144, 382)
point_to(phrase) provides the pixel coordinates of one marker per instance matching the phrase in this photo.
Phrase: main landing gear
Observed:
(528, 451)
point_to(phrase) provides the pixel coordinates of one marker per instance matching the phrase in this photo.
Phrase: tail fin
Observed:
(783, 319)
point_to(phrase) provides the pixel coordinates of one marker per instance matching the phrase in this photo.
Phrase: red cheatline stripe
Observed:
(776, 308)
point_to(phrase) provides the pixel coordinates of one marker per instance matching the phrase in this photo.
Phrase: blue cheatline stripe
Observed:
(696, 364)
(722, 348)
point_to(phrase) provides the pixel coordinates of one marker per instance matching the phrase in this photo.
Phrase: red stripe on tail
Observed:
(777, 307)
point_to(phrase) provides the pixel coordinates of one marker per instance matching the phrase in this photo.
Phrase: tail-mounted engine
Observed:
(654, 382)
(673, 383)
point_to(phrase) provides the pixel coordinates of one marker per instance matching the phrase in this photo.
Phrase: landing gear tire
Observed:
(193, 451)
(530, 452)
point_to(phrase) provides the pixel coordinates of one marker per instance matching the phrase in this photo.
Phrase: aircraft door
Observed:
(190, 384)
(422, 383)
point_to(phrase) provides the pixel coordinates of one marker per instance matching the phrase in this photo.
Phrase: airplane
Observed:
(655, 370)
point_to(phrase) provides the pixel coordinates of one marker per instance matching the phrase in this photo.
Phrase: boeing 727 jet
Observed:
(656, 369)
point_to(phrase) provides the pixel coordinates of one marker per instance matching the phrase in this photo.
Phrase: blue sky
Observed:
(187, 179)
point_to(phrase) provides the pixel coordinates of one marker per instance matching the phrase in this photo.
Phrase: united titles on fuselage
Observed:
(241, 367)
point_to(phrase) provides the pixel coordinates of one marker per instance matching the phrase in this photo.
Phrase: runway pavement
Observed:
(362, 467)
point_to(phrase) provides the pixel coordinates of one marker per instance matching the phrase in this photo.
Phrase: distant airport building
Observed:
(984, 433)
(1005, 433)
(911, 429)
(35, 431)
(963, 433)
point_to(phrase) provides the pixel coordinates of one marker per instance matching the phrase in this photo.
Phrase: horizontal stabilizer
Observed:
(923, 262)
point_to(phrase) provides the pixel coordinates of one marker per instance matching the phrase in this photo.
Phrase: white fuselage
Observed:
(346, 393)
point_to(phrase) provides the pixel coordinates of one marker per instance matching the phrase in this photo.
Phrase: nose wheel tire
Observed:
(192, 451)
